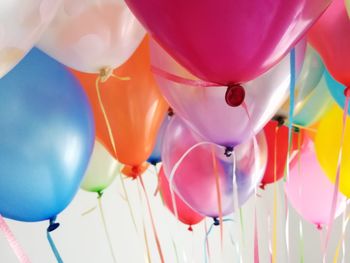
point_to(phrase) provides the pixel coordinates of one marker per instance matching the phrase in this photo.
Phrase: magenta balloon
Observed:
(195, 179)
(308, 188)
(205, 109)
(227, 41)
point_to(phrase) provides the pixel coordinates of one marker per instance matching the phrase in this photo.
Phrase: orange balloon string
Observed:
(218, 192)
(159, 248)
(146, 242)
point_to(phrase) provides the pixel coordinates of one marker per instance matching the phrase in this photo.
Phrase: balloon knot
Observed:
(319, 226)
(262, 186)
(228, 151)
(280, 120)
(235, 95)
(190, 228)
(347, 92)
(105, 74)
(53, 225)
(99, 194)
(296, 129)
(170, 112)
(216, 221)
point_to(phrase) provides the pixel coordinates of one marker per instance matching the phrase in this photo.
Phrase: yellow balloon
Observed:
(347, 4)
(327, 144)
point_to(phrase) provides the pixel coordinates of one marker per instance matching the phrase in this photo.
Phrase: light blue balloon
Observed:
(336, 89)
(157, 150)
(46, 138)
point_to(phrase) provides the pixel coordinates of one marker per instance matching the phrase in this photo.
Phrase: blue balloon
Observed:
(157, 150)
(46, 138)
(336, 89)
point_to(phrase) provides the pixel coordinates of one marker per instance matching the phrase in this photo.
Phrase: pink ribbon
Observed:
(17, 249)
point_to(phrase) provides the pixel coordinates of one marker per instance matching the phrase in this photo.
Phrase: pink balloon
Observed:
(331, 38)
(195, 179)
(185, 214)
(227, 41)
(205, 109)
(308, 188)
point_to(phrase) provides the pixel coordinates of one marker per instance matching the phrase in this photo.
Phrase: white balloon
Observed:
(91, 35)
(21, 25)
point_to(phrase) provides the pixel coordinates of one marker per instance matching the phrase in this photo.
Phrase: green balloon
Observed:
(101, 171)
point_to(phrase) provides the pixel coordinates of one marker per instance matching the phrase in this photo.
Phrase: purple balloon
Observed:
(205, 109)
(195, 178)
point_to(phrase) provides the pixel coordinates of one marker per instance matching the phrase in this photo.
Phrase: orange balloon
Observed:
(134, 109)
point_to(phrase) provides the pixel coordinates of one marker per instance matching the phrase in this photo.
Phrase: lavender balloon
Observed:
(205, 109)
(195, 178)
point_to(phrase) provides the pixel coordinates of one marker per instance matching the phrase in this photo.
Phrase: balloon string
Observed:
(175, 249)
(287, 226)
(89, 211)
(16, 247)
(159, 248)
(301, 241)
(128, 202)
(207, 241)
(176, 166)
(146, 243)
(274, 238)
(291, 106)
(103, 218)
(218, 194)
(156, 172)
(344, 223)
(342, 238)
(53, 225)
(336, 185)
(242, 225)
(256, 237)
(177, 79)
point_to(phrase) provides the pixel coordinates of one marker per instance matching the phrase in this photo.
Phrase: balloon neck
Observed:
(105, 74)
(170, 112)
(347, 92)
(235, 95)
(99, 194)
(53, 225)
(216, 221)
(190, 228)
(280, 120)
(296, 129)
(262, 186)
(319, 227)
(228, 151)
(134, 171)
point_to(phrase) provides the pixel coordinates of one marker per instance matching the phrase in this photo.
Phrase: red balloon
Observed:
(281, 150)
(331, 38)
(185, 213)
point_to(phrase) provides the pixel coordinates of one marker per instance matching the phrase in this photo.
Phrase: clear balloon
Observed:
(330, 36)
(309, 190)
(205, 110)
(156, 155)
(21, 25)
(226, 41)
(327, 144)
(185, 214)
(47, 136)
(101, 171)
(91, 35)
(195, 179)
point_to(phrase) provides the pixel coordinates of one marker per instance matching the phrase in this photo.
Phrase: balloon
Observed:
(226, 41)
(327, 144)
(347, 5)
(195, 179)
(135, 109)
(101, 171)
(277, 156)
(203, 107)
(185, 214)
(90, 35)
(308, 80)
(330, 36)
(21, 24)
(47, 136)
(308, 189)
(156, 153)
(336, 89)
(314, 105)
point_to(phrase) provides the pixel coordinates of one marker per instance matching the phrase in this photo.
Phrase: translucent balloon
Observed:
(101, 171)
(21, 25)
(205, 110)
(309, 190)
(195, 179)
(92, 35)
